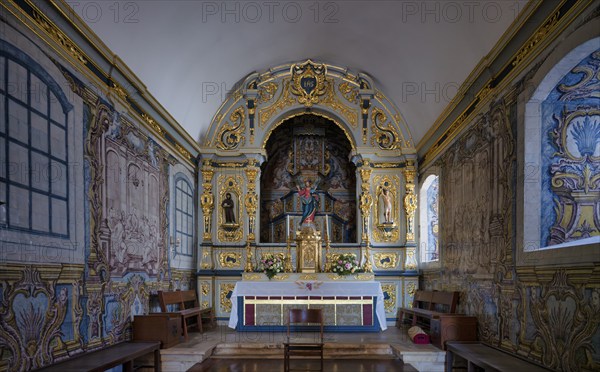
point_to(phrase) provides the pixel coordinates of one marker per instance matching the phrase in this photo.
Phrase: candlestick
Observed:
(288, 260)
(249, 267)
(327, 247)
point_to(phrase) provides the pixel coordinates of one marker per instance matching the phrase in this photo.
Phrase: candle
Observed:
(327, 226)
(287, 227)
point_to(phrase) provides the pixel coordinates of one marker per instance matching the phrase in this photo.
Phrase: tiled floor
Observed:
(271, 365)
(223, 334)
(232, 347)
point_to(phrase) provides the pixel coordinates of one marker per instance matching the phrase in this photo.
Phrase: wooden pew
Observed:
(188, 308)
(113, 356)
(429, 305)
(487, 358)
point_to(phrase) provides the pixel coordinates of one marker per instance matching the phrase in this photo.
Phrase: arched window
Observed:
(184, 216)
(562, 153)
(34, 172)
(429, 219)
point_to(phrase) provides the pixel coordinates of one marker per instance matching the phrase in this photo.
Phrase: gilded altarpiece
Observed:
(320, 123)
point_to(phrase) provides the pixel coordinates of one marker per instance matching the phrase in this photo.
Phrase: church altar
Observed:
(352, 303)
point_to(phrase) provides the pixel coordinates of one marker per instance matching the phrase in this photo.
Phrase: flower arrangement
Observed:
(271, 264)
(345, 264)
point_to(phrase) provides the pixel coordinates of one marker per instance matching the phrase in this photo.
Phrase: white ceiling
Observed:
(183, 51)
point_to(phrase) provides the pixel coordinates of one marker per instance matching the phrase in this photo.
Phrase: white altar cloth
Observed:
(317, 288)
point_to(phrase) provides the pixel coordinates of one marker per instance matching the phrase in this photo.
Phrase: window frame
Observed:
(177, 232)
(52, 90)
(423, 218)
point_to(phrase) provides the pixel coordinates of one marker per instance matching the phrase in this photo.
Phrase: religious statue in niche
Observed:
(309, 200)
(230, 214)
(387, 205)
(228, 208)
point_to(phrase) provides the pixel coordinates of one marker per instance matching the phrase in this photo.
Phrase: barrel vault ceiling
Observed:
(189, 53)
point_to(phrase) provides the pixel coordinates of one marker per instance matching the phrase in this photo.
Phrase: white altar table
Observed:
(348, 305)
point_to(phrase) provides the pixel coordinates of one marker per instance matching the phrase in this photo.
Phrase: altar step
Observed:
(422, 357)
(331, 351)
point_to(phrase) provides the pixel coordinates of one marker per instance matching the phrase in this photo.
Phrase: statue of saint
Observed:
(228, 206)
(309, 200)
(387, 205)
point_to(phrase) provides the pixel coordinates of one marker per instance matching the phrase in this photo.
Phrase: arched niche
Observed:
(308, 147)
(534, 247)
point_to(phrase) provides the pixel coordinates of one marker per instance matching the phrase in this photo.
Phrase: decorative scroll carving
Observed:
(232, 135)
(205, 288)
(266, 92)
(411, 288)
(585, 88)
(284, 100)
(57, 35)
(566, 320)
(153, 124)
(349, 91)
(118, 90)
(30, 334)
(389, 297)
(535, 39)
(386, 260)
(384, 134)
(225, 290)
(330, 99)
(230, 259)
(575, 176)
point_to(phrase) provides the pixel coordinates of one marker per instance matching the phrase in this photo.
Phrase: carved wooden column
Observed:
(410, 201)
(207, 201)
(366, 201)
(251, 202)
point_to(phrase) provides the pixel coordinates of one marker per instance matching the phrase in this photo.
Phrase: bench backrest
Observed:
(441, 301)
(444, 301)
(184, 299)
(422, 299)
(189, 299)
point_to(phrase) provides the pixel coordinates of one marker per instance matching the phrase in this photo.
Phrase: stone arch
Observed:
(263, 100)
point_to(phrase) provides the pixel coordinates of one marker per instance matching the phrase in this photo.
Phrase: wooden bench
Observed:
(187, 307)
(430, 305)
(113, 356)
(487, 358)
